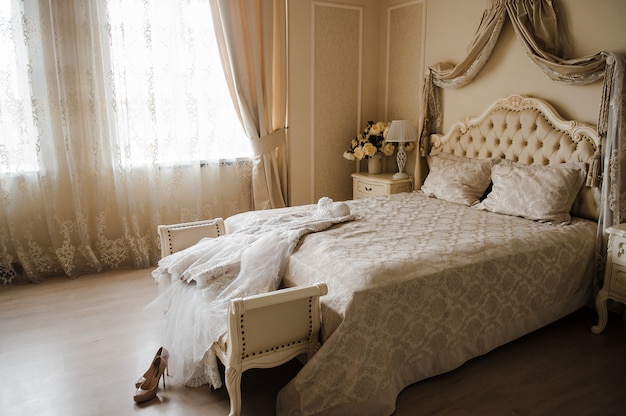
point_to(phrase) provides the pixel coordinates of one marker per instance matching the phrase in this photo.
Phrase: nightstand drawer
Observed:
(619, 251)
(370, 189)
(402, 187)
(618, 280)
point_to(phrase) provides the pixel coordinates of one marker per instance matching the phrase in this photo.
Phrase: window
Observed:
(168, 102)
(18, 137)
(171, 93)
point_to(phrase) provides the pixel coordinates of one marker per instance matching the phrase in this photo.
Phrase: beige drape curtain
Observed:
(447, 75)
(116, 152)
(536, 25)
(251, 35)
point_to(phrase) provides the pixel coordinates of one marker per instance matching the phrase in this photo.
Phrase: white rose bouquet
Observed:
(370, 141)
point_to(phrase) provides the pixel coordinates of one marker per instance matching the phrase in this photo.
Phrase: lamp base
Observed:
(401, 159)
(400, 175)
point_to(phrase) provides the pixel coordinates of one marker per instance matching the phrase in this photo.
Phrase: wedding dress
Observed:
(196, 284)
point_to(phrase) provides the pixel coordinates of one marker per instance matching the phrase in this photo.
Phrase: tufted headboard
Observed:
(526, 130)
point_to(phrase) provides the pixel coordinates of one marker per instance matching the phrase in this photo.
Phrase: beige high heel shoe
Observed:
(148, 389)
(165, 355)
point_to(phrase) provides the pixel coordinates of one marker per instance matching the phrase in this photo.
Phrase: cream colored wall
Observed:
(591, 26)
(299, 133)
(333, 86)
(401, 73)
(337, 70)
(336, 86)
(338, 62)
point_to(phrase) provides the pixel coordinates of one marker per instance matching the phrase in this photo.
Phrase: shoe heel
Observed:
(166, 355)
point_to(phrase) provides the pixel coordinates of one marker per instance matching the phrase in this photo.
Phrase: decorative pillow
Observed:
(457, 179)
(541, 193)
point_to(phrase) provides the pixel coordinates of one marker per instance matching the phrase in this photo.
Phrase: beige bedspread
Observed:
(417, 286)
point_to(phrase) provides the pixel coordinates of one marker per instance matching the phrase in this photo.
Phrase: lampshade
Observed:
(402, 131)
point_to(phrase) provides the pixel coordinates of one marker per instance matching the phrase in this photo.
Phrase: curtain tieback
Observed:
(594, 172)
(269, 142)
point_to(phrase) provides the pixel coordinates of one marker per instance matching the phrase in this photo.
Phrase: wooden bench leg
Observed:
(233, 385)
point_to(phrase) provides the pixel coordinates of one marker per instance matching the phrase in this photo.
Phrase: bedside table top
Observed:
(619, 230)
(383, 177)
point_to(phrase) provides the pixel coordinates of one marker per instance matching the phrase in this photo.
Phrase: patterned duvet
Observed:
(417, 286)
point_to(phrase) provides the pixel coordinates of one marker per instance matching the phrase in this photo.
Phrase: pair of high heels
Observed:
(148, 384)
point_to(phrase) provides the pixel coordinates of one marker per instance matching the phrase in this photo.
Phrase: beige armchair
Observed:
(264, 330)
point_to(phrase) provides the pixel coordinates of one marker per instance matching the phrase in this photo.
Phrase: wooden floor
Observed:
(76, 347)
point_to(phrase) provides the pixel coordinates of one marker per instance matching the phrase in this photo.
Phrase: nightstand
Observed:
(614, 286)
(365, 185)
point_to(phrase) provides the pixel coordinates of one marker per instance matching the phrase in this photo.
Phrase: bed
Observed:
(499, 240)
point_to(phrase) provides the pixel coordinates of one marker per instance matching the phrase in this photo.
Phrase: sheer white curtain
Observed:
(110, 125)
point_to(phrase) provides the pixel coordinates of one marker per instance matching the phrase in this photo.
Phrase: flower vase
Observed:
(375, 164)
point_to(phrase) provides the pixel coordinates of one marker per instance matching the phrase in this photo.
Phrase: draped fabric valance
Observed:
(536, 24)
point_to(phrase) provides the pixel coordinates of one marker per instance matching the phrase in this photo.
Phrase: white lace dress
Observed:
(196, 284)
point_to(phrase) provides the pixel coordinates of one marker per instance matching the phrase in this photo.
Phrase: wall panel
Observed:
(336, 94)
(403, 82)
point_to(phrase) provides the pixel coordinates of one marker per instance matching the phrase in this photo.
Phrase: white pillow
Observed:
(541, 193)
(457, 179)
